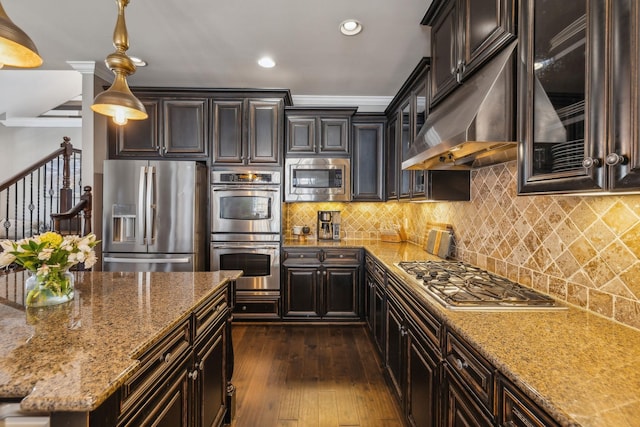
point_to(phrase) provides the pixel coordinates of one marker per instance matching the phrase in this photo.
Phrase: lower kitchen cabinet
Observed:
(321, 284)
(183, 381)
(413, 363)
(375, 301)
(459, 408)
(517, 410)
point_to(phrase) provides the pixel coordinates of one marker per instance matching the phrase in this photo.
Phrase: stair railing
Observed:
(51, 185)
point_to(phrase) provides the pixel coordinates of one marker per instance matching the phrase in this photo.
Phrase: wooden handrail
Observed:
(65, 147)
(85, 205)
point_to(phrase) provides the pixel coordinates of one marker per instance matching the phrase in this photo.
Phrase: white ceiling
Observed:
(215, 44)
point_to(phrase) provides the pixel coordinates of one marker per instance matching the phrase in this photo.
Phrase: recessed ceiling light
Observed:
(266, 62)
(138, 62)
(350, 27)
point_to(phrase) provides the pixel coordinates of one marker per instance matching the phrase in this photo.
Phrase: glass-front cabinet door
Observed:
(579, 96)
(560, 123)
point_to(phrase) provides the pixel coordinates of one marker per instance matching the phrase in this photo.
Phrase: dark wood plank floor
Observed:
(309, 376)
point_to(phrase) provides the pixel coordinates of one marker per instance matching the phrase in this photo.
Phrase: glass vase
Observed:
(53, 288)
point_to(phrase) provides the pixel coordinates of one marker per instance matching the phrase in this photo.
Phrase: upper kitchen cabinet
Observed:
(464, 35)
(176, 127)
(579, 96)
(247, 131)
(367, 166)
(318, 132)
(406, 114)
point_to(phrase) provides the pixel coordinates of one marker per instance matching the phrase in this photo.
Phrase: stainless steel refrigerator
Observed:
(154, 215)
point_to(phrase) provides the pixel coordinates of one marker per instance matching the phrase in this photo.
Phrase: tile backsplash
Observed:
(581, 249)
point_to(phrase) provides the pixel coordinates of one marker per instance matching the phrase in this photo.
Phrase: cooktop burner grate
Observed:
(458, 285)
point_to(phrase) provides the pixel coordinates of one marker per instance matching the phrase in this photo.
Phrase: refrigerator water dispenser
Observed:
(124, 223)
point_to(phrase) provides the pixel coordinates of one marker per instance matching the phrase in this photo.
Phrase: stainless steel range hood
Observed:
(475, 125)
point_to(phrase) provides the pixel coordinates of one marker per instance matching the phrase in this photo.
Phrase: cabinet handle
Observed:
(193, 375)
(591, 162)
(201, 365)
(301, 256)
(614, 159)
(166, 358)
(461, 364)
(341, 256)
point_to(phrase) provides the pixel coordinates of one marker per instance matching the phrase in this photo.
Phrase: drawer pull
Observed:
(166, 358)
(461, 364)
(201, 365)
(341, 256)
(193, 375)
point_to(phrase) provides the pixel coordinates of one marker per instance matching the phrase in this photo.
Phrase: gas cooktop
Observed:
(460, 286)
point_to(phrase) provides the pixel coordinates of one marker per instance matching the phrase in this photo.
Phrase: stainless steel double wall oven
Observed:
(245, 231)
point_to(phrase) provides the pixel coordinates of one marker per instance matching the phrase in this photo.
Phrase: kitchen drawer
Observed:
(257, 307)
(474, 371)
(374, 268)
(155, 363)
(517, 410)
(425, 323)
(212, 311)
(302, 256)
(341, 256)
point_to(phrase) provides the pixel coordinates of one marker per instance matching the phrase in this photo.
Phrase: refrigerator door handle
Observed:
(142, 226)
(147, 260)
(151, 206)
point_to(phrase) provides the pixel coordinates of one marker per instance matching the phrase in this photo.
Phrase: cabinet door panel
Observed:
(368, 164)
(211, 385)
(264, 131)
(301, 292)
(562, 93)
(185, 131)
(489, 26)
(625, 110)
(227, 131)
(444, 53)
(395, 349)
(460, 410)
(422, 387)
(341, 287)
(301, 135)
(138, 138)
(392, 160)
(334, 135)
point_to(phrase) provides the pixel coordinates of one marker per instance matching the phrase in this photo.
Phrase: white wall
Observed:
(21, 147)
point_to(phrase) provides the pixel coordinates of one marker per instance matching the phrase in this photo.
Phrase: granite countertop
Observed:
(581, 368)
(72, 356)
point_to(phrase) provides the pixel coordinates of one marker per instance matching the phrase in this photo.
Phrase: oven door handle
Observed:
(245, 247)
(273, 190)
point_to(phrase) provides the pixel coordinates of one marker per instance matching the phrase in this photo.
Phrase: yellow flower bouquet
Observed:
(48, 258)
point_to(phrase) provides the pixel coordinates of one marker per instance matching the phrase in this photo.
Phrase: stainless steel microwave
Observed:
(317, 179)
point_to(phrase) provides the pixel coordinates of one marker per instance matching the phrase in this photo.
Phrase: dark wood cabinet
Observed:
(579, 97)
(464, 35)
(247, 131)
(227, 127)
(321, 284)
(184, 377)
(396, 343)
(463, 365)
(517, 410)
(318, 131)
(375, 302)
(406, 114)
(423, 382)
(459, 408)
(176, 128)
(368, 163)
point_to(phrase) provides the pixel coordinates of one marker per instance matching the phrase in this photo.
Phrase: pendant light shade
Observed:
(16, 48)
(118, 101)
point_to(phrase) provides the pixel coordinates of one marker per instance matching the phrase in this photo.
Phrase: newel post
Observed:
(66, 193)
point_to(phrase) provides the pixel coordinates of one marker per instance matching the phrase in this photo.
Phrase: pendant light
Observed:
(16, 48)
(118, 101)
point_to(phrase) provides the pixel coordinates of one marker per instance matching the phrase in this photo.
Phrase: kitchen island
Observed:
(579, 368)
(87, 354)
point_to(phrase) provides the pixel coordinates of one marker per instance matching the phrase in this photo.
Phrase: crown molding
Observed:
(365, 104)
(41, 122)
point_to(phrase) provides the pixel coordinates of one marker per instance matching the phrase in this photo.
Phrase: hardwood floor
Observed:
(309, 376)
